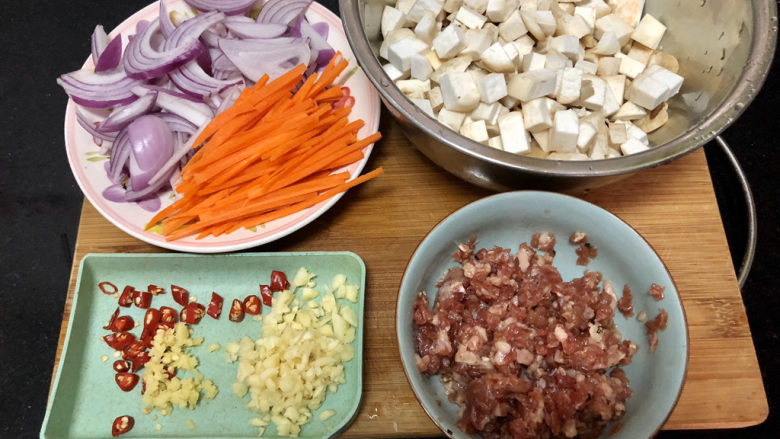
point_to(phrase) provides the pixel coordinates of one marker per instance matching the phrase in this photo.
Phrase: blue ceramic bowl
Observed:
(624, 257)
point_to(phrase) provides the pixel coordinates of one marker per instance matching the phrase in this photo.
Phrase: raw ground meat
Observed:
(523, 353)
(626, 303)
(657, 292)
(655, 325)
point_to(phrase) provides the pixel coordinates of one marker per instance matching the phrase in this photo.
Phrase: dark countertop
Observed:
(40, 204)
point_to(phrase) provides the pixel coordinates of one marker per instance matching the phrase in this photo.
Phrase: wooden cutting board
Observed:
(673, 207)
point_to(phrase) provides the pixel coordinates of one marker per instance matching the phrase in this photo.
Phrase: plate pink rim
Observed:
(241, 239)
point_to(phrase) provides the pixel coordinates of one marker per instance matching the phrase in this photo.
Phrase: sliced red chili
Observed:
(108, 288)
(267, 295)
(152, 319)
(215, 306)
(142, 299)
(180, 295)
(155, 290)
(126, 381)
(123, 323)
(279, 281)
(236, 311)
(133, 350)
(110, 324)
(119, 340)
(252, 305)
(170, 373)
(122, 425)
(192, 313)
(121, 366)
(137, 362)
(168, 317)
(126, 298)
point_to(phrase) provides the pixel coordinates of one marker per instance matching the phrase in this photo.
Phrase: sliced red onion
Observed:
(319, 45)
(150, 190)
(192, 80)
(282, 11)
(98, 43)
(142, 61)
(197, 113)
(178, 124)
(115, 193)
(120, 153)
(166, 25)
(182, 151)
(152, 204)
(111, 56)
(229, 7)
(152, 143)
(230, 98)
(92, 129)
(322, 28)
(99, 90)
(122, 116)
(254, 58)
(251, 29)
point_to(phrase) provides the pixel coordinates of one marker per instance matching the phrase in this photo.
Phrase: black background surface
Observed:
(40, 204)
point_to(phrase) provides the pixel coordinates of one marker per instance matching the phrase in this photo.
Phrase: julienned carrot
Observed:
(271, 154)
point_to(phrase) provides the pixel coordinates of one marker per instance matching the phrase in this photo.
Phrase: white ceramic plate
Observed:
(88, 166)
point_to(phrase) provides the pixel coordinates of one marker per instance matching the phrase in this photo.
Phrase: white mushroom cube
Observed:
(459, 91)
(588, 14)
(672, 80)
(537, 114)
(427, 28)
(435, 98)
(452, 119)
(612, 23)
(566, 45)
(414, 88)
(457, 64)
(492, 87)
(425, 106)
(392, 37)
(400, 53)
(629, 11)
(556, 61)
(546, 21)
(469, 18)
(475, 130)
(634, 132)
(512, 28)
(617, 133)
(586, 67)
(452, 6)
(632, 146)
(487, 112)
(514, 137)
(640, 52)
(564, 132)
(609, 66)
(478, 6)
(534, 61)
(573, 25)
(404, 5)
(524, 46)
(618, 85)
(630, 111)
(495, 142)
(496, 59)
(500, 10)
(450, 41)
(393, 73)
(593, 92)
(647, 92)
(531, 85)
(569, 85)
(392, 19)
(586, 133)
(649, 32)
(542, 139)
(608, 44)
(611, 102)
(477, 42)
(629, 66)
(418, 9)
(420, 67)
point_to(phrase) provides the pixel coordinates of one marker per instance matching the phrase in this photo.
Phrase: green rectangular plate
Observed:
(85, 398)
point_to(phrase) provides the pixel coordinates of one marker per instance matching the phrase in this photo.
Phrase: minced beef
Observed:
(626, 303)
(655, 325)
(523, 353)
(657, 292)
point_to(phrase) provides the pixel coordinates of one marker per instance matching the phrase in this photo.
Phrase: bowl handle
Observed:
(750, 202)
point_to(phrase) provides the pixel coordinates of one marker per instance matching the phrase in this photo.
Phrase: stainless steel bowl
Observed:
(724, 47)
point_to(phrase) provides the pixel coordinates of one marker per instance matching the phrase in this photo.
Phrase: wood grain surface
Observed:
(672, 206)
